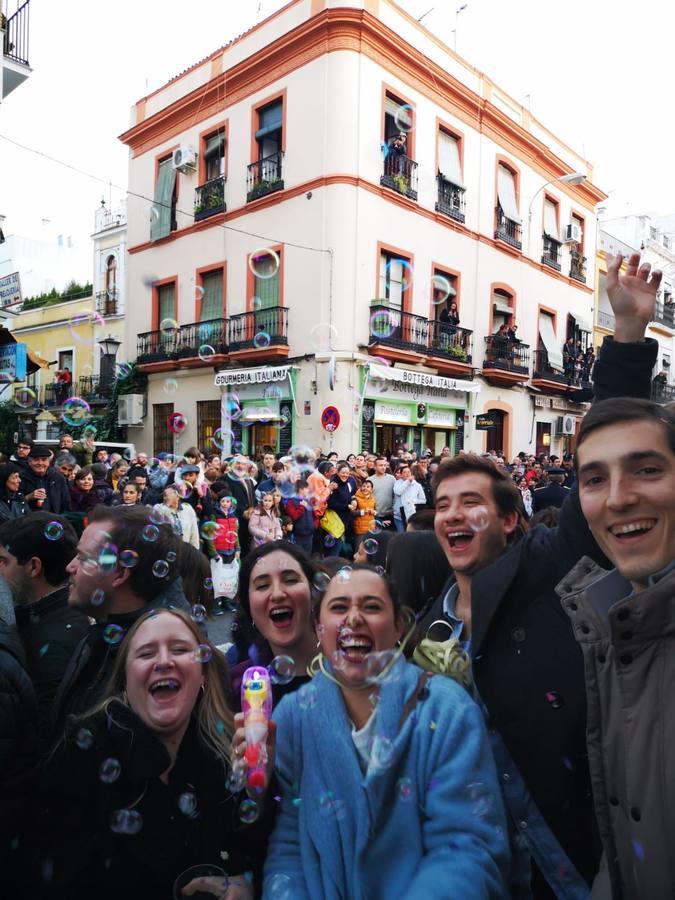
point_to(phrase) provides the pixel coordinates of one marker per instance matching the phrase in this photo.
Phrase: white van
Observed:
(128, 451)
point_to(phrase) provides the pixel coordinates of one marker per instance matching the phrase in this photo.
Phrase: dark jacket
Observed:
(18, 752)
(193, 819)
(302, 516)
(58, 497)
(340, 499)
(50, 630)
(243, 491)
(103, 491)
(552, 495)
(12, 506)
(526, 664)
(82, 501)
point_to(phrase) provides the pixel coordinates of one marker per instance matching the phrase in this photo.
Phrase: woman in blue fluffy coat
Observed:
(388, 785)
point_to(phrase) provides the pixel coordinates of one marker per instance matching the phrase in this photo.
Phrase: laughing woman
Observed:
(136, 791)
(389, 789)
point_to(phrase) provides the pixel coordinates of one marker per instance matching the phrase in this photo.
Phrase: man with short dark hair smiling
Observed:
(624, 622)
(502, 607)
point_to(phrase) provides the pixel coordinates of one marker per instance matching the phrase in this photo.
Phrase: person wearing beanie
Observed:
(12, 502)
(44, 488)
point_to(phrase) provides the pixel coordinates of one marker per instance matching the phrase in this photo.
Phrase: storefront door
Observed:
(435, 439)
(262, 434)
(495, 436)
(389, 438)
(543, 438)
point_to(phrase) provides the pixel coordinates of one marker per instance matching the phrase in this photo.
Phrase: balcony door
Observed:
(266, 267)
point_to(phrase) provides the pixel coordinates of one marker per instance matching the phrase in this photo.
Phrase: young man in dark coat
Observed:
(34, 553)
(501, 604)
(43, 487)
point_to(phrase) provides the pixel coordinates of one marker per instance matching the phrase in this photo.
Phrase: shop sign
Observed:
(442, 418)
(560, 404)
(486, 421)
(392, 412)
(251, 376)
(10, 289)
(12, 362)
(423, 379)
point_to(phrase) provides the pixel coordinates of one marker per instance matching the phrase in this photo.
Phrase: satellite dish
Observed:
(331, 373)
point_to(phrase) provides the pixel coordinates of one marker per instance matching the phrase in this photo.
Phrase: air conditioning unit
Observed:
(131, 409)
(565, 425)
(185, 158)
(573, 234)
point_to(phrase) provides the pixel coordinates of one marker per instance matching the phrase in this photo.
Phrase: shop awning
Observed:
(584, 324)
(547, 335)
(423, 379)
(35, 361)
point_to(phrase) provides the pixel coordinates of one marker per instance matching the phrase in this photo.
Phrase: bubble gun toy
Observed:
(256, 704)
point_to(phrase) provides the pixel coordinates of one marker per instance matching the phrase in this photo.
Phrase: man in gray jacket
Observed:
(624, 622)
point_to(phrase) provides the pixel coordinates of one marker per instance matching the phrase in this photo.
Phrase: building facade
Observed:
(324, 189)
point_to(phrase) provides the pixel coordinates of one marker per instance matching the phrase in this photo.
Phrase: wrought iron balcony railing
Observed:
(450, 341)
(575, 372)
(199, 339)
(395, 328)
(96, 387)
(400, 174)
(55, 394)
(551, 252)
(450, 199)
(259, 329)
(210, 198)
(106, 302)
(577, 266)
(501, 353)
(507, 230)
(265, 176)
(17, 30)
(665, 314)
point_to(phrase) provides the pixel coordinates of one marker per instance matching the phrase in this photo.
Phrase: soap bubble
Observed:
(405, 789)
(382, 753)
(82, 324)
(128, 559)
(403, 118)
(107, 558)
(168, 327)
(323, 336)
(279, 887)
(199, 613)
(25, 397)
(307, 696)
(75, 411)
(208, 584)
(53, 531)
(203, 653)
(171, 556)
(321, 581)
(382, 324)
(150, 533)
(109, 770)
(126, 821)
(170, 386)
(113, 634)
(441, 289)
(371, 546)
(478, 518)
(206, 352)
(209, 530)
(97, 597)
(84, 739)
(329, 541)
(236, 780)
(330, 807)
(261, 340)
(248, 811)
(378, 667)
(281, 670)
(187, 804)
(160, 568)
(123, 370)
(264, 263)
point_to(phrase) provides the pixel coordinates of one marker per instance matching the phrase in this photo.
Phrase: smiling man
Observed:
(502, 606)
(624, 622)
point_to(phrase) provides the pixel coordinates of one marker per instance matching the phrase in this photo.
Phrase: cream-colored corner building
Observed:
(292, 262)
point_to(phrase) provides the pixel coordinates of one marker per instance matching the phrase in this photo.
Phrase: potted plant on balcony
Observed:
(263, 187)
(457, 352)
(401, 183)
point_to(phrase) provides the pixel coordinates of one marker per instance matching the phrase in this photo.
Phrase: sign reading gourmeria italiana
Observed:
(251, 376)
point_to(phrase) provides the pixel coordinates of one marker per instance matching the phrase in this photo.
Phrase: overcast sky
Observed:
(596, 72)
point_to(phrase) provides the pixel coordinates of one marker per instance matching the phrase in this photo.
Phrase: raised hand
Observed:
(632, 296)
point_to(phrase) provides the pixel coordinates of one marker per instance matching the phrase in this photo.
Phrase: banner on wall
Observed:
(251, 376)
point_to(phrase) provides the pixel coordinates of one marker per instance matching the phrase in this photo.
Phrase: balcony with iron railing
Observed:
(96, 388)
(260, 332)
(264, 176)
(664, 314)
(606, 320)
(198, 341)
(106, 302)
(505, 361)
(210, 198)
(400, 174)
(550, 255)
(577, 266)
(508, 230)
(451, 199)
(450, 342)
(15, 42)
(392, 327)
(576, 373)
(56, 394)
(662, 392)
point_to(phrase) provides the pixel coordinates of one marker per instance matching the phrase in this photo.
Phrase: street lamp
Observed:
(572, 178)
(109, 346)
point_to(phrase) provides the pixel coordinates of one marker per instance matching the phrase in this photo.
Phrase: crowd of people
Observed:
(469, 660)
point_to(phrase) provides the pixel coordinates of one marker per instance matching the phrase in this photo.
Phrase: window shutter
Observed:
(506, 191)
(449, 164)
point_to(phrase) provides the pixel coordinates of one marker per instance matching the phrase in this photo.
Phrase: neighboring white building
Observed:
(48, 261)
(287, 252)
(653, 236)
(110, 258)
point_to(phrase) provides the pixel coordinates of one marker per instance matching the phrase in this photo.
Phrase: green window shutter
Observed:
(160, 224)
(212, 301)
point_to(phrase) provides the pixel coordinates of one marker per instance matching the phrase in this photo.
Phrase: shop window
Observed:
(162, 436)
(208, 422)
(163, 210)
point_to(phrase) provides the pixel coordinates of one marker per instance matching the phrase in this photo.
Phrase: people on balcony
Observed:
(450, 317)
